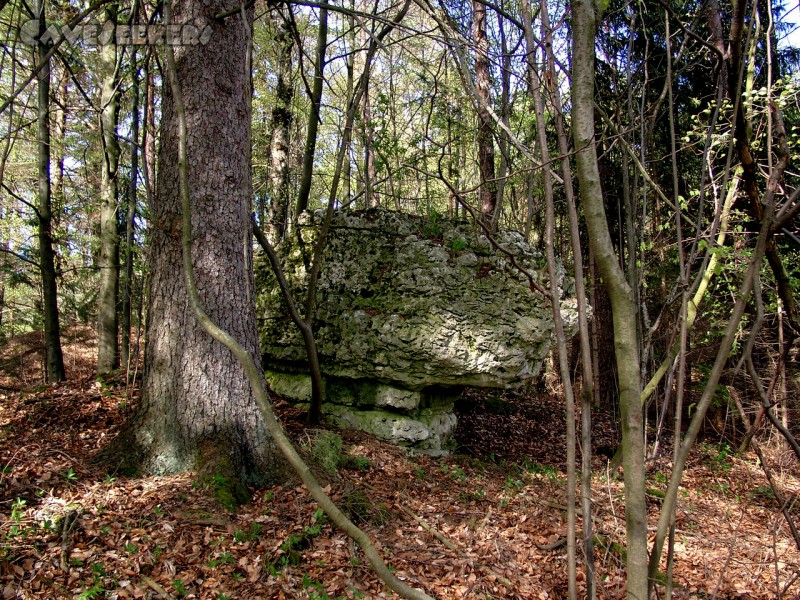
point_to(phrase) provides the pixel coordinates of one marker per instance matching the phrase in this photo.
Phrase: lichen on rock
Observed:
(411, 303)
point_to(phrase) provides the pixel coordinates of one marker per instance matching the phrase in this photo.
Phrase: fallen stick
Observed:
(67, 525)
(157, 588)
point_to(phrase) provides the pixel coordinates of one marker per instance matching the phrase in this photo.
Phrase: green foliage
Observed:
(717, 457)
(228, 491)
(18, 509)
(358, 507)
(225, 558)
(291, 550)
(458, 244)
(101, 584)
(253, 533)
(513, 484)
(316, 590)
(456, 472)
(180, 588)
(96, 591)
(474, 496)
(18, 528)
(325, 449)
(763, 492)
(431, 228)
(550, 473)
(721, 396)
(361, 463)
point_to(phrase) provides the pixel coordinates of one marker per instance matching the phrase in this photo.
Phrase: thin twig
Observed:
(67, 525)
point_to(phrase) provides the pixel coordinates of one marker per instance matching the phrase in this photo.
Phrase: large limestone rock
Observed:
(406, 305)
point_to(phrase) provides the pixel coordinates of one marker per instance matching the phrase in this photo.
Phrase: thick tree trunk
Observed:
(196, 400)
(107, 316)
(54, 359)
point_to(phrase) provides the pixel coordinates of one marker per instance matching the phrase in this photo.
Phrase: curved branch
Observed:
(250, 367)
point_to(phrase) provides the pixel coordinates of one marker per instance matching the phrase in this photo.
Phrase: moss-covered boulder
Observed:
(412, 303)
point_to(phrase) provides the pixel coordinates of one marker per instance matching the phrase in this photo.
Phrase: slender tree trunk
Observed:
(747, 156)
(54, 358)
(108, 294)
(370, 200)
(197, 404)
(149, 133)
(587, 372)
(130, 218)
(58, 189)
(282, 117)
(313, 114)
(367, 133)
(586, 16)
(350, 62)
(505, 116)
(555, 301)
(485, 136)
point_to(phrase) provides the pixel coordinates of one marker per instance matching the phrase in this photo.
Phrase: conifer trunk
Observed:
(197, 403)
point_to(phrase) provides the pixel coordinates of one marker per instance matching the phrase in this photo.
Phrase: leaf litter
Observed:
(484, 523)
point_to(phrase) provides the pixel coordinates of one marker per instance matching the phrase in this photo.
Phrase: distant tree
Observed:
(131, 206)
(108, 294)
(313, 114)
(280, 189)
(54, 358)
(485, 136)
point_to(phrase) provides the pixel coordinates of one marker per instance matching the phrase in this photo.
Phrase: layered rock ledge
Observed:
(408, 311)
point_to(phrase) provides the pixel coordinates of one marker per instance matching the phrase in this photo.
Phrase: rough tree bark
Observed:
(197, 404)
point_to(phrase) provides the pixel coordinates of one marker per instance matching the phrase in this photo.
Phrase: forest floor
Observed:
(482, 523)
